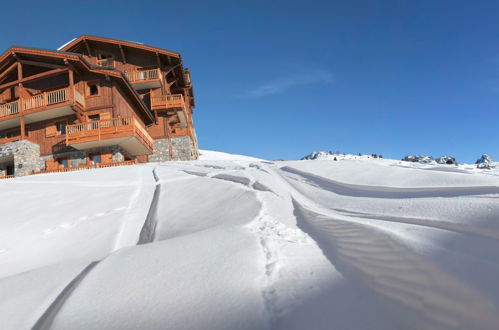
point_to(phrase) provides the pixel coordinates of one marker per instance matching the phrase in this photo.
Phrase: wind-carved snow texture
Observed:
(148, 231)
(412, 289)
(354, 190)
(233, 178)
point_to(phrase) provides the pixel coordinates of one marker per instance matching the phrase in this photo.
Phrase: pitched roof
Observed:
(70, 45)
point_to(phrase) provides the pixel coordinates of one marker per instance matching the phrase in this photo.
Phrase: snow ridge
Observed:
(148, 231)
(45, 321)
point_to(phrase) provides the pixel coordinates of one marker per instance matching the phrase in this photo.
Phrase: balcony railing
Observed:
(46, 99)
(108, 129)
(168, 102)
(106, 63)
(89, 167)
(139, 76)
(10, 108)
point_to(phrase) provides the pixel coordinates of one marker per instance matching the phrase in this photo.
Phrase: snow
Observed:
(217, 155)
(235, 242)
(67, 43)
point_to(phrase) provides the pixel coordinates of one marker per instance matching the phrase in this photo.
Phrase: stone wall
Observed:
(25, 156)
(183, 148)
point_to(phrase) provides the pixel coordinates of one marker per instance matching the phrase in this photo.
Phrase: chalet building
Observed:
(94, 102)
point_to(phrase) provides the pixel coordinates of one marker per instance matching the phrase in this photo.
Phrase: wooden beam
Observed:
(171, 68)
(33, 78)
(122, 54)
(19, 71)
(45, 65)
(71, 84)
(88, 47)
(10, 68)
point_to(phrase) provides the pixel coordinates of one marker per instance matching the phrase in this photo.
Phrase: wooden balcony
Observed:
(145, 78)
(174, 101)
(39, 107)
(126, 132)
(9, 114)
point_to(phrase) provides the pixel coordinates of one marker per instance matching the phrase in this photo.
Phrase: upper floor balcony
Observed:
(173, 101)
(127, 132)
(144, 79)
(43, 106)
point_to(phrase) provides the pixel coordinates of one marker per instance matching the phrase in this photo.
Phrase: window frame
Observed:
(65, 123)
(88, 89)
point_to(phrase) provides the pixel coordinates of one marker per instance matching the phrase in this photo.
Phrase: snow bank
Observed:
(217, 155)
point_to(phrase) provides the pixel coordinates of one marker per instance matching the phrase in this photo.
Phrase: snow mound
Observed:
(218, 155)
(330, 155)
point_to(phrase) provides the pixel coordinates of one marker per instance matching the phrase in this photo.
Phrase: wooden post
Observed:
(23, 130)
(71, 85)
(21, 103)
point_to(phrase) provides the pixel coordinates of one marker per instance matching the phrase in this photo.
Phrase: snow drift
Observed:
(240, 243)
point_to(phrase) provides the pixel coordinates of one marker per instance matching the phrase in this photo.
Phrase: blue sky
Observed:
(279, 79)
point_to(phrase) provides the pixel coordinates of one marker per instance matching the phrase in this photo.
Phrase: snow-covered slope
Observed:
(241, 243)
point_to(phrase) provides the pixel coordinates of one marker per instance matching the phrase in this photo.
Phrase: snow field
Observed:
(232, 242)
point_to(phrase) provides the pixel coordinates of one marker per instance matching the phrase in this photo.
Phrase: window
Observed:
(93, 89)
(105, 60)
(95, 159)
(12, 133)
(61, 127)
(63, 162)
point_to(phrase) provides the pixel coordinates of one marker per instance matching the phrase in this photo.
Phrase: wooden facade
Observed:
(91, 95)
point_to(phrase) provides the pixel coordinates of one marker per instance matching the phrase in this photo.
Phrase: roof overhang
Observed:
(72, 44)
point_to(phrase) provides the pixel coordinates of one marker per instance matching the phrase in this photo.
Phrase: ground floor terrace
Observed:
(21, 157)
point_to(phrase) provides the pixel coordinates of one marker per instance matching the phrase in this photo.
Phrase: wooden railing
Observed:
(7, 177)
(46, 99)
(10, 108)
(106, 63)
(105, 129)
(88, 167)
(168, 101)
(137, 76)
(79, 98)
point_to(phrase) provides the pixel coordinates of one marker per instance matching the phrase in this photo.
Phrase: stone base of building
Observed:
(182, 148)
(20, 158)
(23, 157)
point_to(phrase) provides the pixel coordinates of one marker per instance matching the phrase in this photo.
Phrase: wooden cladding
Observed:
(51, 130)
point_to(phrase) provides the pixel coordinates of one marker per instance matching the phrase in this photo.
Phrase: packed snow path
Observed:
(249, 244)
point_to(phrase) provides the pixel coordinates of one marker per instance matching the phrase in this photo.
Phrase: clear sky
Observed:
(279, 79)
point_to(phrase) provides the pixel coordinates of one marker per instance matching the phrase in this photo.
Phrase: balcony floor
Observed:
(130, 144)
